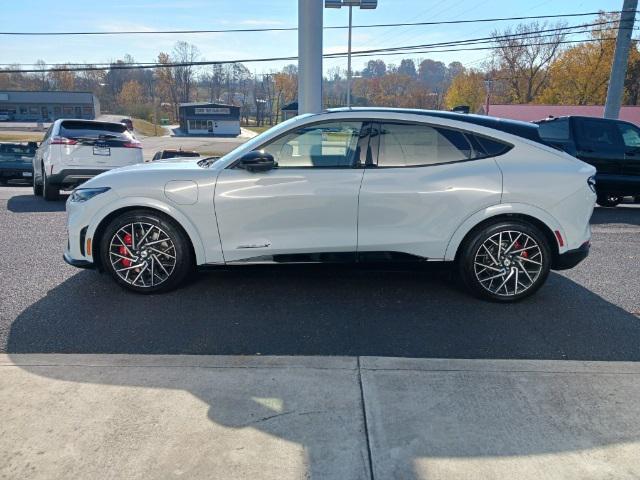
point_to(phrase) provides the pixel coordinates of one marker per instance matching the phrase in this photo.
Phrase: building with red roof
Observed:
(530, 112)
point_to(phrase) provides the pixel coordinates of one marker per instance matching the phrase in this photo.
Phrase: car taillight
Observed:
(63, 141)
(132, 144)
(591, 181)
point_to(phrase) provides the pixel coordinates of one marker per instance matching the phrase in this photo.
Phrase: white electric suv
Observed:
(72, 151)
(359, 185)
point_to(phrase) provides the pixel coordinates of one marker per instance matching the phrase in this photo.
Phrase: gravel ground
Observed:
(589, 313)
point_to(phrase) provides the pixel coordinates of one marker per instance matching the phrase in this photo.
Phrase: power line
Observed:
(522, 35)
(286, 29)
(273, 59)
(469, 41)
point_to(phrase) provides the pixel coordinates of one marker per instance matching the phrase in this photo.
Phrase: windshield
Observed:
(259, 139)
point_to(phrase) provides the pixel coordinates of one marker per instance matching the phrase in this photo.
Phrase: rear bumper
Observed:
(74, 176)
(571, 258)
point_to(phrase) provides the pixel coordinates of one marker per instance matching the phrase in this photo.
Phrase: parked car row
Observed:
(16, 161)
(506, 201)
(71, 152)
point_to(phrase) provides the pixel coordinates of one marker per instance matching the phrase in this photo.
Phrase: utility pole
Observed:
(349, 59)
(309, 56)
(620, 60)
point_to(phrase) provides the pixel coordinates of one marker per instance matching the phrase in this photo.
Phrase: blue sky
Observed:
(114, 15)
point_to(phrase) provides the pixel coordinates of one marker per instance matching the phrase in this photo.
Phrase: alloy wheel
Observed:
(142, 254)
(508, 263)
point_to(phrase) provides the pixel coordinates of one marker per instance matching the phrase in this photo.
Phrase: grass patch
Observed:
(258, 129)
(147, 128)
(20, 137)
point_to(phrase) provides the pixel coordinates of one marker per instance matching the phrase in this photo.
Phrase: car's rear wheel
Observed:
(609, 200)
(506, 261)
(146, 252)
(50, 192)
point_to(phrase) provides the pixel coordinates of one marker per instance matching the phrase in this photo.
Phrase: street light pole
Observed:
(364, 5)
(349, 60)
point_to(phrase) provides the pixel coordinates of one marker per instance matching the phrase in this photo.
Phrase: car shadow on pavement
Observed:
(272, 311)
(624, 214)
(33, 204)
(325, 311)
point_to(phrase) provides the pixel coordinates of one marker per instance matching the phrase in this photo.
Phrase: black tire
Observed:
(471, 270)
(184, 259)
(37, 187)
(608, 200)
(49, 192)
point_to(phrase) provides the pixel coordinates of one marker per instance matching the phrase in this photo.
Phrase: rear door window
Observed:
(598, 135)
(411, 145)
(630, 135)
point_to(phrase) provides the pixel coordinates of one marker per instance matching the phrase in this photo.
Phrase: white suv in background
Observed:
(74, 151)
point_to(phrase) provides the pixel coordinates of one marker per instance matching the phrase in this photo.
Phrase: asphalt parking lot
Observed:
(589, 313)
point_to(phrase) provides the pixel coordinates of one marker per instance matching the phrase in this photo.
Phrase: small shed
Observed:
(209, 119)
(290, 110)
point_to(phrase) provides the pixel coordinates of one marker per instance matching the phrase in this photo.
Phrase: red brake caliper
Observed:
(123, 250)
(524, 254)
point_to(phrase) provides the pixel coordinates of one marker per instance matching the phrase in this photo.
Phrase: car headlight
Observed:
(84, 194)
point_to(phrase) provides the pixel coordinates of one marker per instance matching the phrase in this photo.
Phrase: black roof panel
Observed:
(514, 127)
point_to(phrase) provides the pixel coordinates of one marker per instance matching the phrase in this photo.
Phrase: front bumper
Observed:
(77, 263)
(571, 258)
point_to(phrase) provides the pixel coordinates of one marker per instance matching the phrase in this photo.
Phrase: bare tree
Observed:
(523, 55)
(41, 76)
(184, 53)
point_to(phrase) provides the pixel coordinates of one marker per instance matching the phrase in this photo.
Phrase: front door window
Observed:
(325, 145)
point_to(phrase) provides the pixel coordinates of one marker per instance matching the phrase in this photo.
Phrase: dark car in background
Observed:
(16, 161)
(612, 146)
(128, 123)
(164, 154)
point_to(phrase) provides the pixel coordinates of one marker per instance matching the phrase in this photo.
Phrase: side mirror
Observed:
(257, 161)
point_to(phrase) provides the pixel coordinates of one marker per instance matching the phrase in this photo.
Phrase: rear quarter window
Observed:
(554, 129)
(491, 147)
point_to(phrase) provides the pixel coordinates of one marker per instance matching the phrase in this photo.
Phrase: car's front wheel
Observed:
(146, 252)
(506, 261)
